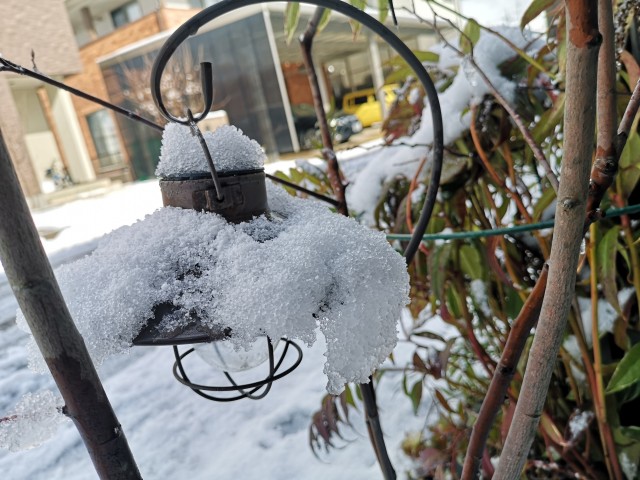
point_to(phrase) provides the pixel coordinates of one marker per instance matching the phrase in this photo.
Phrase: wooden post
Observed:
(38, 294)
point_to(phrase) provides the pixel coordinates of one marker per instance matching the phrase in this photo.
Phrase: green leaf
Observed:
(356, 26)
(627, 372)
(630, 152)
(632, 432)
(416, 396)
(471, 262)
(545, 200)
(471, 34)
(438, 261)
(454, 302)
(383, 10)
(535, 9)
(292, 16)
(513, 304)
(629, 166)
(324, 20)
(606, 252)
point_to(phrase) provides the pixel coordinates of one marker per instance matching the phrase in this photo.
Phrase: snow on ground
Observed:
(173, 433)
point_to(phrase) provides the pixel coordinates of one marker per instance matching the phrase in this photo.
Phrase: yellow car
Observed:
(365, 105)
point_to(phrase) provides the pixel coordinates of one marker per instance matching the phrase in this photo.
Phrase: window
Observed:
(105, 138)
(127, 13)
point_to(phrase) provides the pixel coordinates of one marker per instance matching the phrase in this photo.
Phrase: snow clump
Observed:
(34, 420)
(181, 154)
(262, 277)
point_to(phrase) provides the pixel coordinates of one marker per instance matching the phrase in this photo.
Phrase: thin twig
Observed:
(506, 368)
(333, 170)
(603, 172)
(8, 66)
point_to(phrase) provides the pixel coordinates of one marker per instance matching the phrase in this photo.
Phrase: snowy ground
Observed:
(174, 434)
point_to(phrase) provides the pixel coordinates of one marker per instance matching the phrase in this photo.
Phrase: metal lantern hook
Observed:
(223, 7)
(206, 81)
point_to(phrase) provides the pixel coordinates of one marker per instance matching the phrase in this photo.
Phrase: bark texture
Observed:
(60, 343)
(579, 121)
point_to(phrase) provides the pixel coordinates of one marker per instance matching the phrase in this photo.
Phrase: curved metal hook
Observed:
(223, 7)
(206, 81)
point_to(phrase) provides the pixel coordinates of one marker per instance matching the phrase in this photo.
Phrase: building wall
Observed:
(11, 129)
(51, 39)
(41, 26)
(91, 79)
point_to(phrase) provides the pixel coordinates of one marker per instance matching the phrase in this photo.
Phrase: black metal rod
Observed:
(223, 7)
(36, 289)
(375, 429)
(7, 66)
(311, 193)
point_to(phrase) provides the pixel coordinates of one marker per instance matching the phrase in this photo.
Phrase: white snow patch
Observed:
(478, 291)
(181, 154)
(606, 317)
(579, 423)
(629, 466)
(263, 277)
(33, 421)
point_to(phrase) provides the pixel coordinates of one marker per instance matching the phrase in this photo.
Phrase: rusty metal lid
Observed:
(244, 194)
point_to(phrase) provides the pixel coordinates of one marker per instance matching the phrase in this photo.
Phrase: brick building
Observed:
(38, 122)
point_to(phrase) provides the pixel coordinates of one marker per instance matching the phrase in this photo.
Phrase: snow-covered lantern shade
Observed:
(223, 176)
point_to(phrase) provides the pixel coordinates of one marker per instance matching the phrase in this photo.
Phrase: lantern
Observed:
(237, 196)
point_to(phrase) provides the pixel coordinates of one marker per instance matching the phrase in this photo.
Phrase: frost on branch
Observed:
(279, 277)
(35, 420)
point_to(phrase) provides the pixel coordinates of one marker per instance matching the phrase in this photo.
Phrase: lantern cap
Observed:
(181, 155)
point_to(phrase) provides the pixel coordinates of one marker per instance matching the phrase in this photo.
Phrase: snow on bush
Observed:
(181, 154)
(34, 420)
(466, 89)
(263, 277)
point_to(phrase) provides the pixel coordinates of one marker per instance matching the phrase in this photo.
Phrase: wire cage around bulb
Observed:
(253, 390)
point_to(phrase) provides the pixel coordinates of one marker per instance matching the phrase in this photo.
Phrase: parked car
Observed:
(342, 126)
(364, 104)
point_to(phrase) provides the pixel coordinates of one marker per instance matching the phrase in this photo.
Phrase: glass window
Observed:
(127, 13)
(105, 138)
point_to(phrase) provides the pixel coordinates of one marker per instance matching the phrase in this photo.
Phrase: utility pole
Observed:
(36, 289)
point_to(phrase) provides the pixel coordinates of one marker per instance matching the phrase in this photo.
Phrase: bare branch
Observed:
(579, 121)
(506, 368)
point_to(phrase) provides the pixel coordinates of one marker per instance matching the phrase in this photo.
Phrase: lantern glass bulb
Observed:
(223, 355)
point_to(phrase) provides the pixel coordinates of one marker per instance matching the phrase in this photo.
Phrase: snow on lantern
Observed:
(234, 273)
